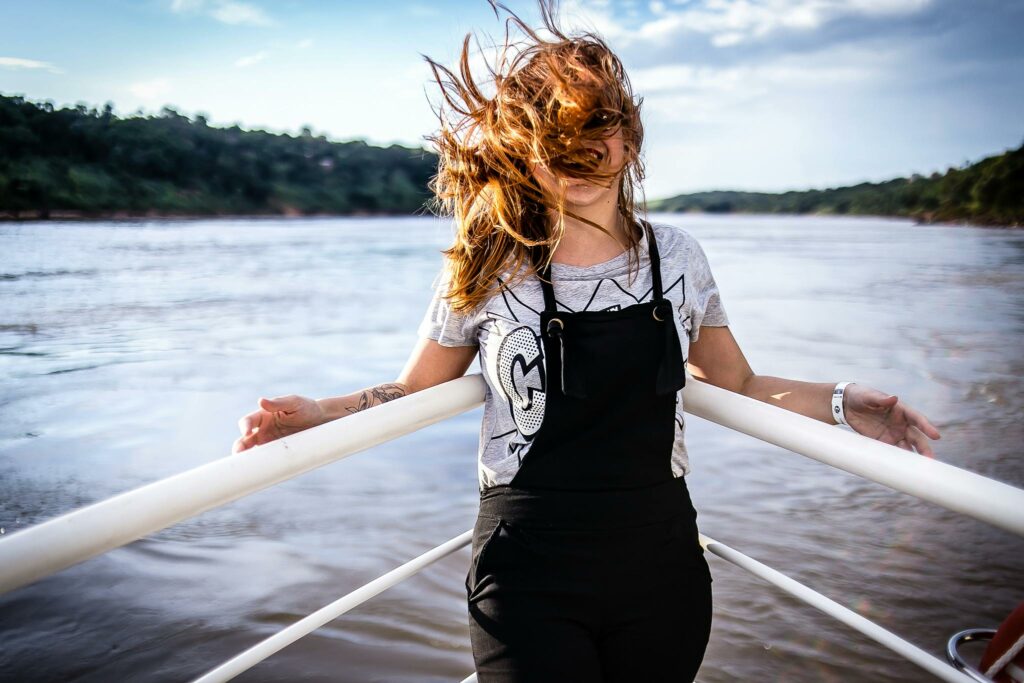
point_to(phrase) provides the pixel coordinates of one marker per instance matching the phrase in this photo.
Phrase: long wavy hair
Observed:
(550, 97)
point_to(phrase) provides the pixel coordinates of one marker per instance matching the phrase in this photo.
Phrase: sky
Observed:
(765, 95)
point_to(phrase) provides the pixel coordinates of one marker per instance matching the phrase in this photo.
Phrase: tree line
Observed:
(91, 162)
(989, 192)
(80, 161)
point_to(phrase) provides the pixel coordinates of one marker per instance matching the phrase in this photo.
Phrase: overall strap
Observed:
(652, 248)
(545, 285)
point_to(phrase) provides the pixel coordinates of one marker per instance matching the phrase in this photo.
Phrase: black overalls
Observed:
(586, 567)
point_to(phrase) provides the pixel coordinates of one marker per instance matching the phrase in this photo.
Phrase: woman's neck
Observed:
(585, 245)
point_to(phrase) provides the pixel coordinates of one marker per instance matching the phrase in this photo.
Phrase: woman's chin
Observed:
(584, 193)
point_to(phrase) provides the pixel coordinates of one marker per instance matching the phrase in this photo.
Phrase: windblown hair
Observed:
(550, 97)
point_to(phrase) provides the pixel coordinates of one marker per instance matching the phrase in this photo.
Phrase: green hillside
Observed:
(79, 161)
(989, 192)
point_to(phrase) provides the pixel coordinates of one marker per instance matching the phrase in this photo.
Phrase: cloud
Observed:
(685, 93)
(224, 11)
(240, 13)
(732, 22)
(722, 26)
(304, 43)
(422, 11)
(151, 91)
(17, 63)
(186, 5)
(250, 60)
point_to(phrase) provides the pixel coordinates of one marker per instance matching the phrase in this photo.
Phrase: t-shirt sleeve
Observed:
(707, 305)
(444, 325)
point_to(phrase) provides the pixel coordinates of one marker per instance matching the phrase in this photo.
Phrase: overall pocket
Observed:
(502, 553)
(685, 543)
(484, 532)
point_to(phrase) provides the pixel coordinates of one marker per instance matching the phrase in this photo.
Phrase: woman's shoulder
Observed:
(674, 242)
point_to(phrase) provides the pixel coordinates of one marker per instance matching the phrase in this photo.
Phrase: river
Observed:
(128, 351)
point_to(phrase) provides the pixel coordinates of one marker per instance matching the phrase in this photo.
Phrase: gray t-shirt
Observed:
(507, 331)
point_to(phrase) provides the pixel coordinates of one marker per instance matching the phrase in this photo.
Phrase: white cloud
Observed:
(186, 5)
(422, 11)
(240, 13)
(596, 16)
(250, 60)
(731, 22)
(304, 44)
(224, 11)
(727, 39)
(708, 94)
(18, 63)
(151, 91)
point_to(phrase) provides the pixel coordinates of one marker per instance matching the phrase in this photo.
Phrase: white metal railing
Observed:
(965, 492)
(888, 639)
(303, 627)
(47, 548)
(256, 654)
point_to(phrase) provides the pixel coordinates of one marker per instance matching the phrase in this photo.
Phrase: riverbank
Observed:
(29, 216)
(80, 216)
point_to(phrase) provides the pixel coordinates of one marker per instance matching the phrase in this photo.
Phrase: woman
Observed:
(586, 564)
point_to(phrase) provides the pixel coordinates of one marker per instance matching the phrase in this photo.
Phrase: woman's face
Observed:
(580, 192)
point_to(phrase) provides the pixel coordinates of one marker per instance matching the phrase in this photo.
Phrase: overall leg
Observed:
(659, 611)
(528, 620)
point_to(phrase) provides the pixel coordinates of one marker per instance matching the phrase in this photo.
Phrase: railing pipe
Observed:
(956, 489)
(47, 548)
(911, 652)
(44, 549)
(256, 654)
(833, 609)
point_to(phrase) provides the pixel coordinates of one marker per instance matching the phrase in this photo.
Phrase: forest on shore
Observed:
(988, 192)
(81, 162)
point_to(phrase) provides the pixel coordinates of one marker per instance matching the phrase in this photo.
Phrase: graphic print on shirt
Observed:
(520, 369)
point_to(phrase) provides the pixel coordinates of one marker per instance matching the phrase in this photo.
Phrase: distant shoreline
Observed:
(83, 216)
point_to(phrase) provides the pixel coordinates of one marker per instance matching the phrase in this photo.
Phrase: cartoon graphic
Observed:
(521, 370)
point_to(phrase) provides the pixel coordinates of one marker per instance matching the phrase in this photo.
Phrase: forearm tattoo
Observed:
(382, 393)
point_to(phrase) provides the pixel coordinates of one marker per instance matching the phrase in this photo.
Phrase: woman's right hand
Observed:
(277, 417)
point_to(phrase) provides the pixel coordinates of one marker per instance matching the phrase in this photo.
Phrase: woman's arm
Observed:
(716, 358)
(429, 364)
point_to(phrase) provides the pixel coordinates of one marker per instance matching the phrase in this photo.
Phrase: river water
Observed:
(129, 350)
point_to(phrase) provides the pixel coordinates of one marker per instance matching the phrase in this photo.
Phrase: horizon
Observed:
(747, 96)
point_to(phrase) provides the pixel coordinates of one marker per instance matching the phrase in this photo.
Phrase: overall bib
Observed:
(586, 566)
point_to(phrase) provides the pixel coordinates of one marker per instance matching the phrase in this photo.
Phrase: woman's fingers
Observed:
(250, 422)
(281, 403)
(921, 422)
(274, 419)
(919, 431)
(244, 442)
(919, 440)
(895, 422)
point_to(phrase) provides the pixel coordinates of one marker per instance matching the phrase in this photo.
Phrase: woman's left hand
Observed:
(880, 416)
